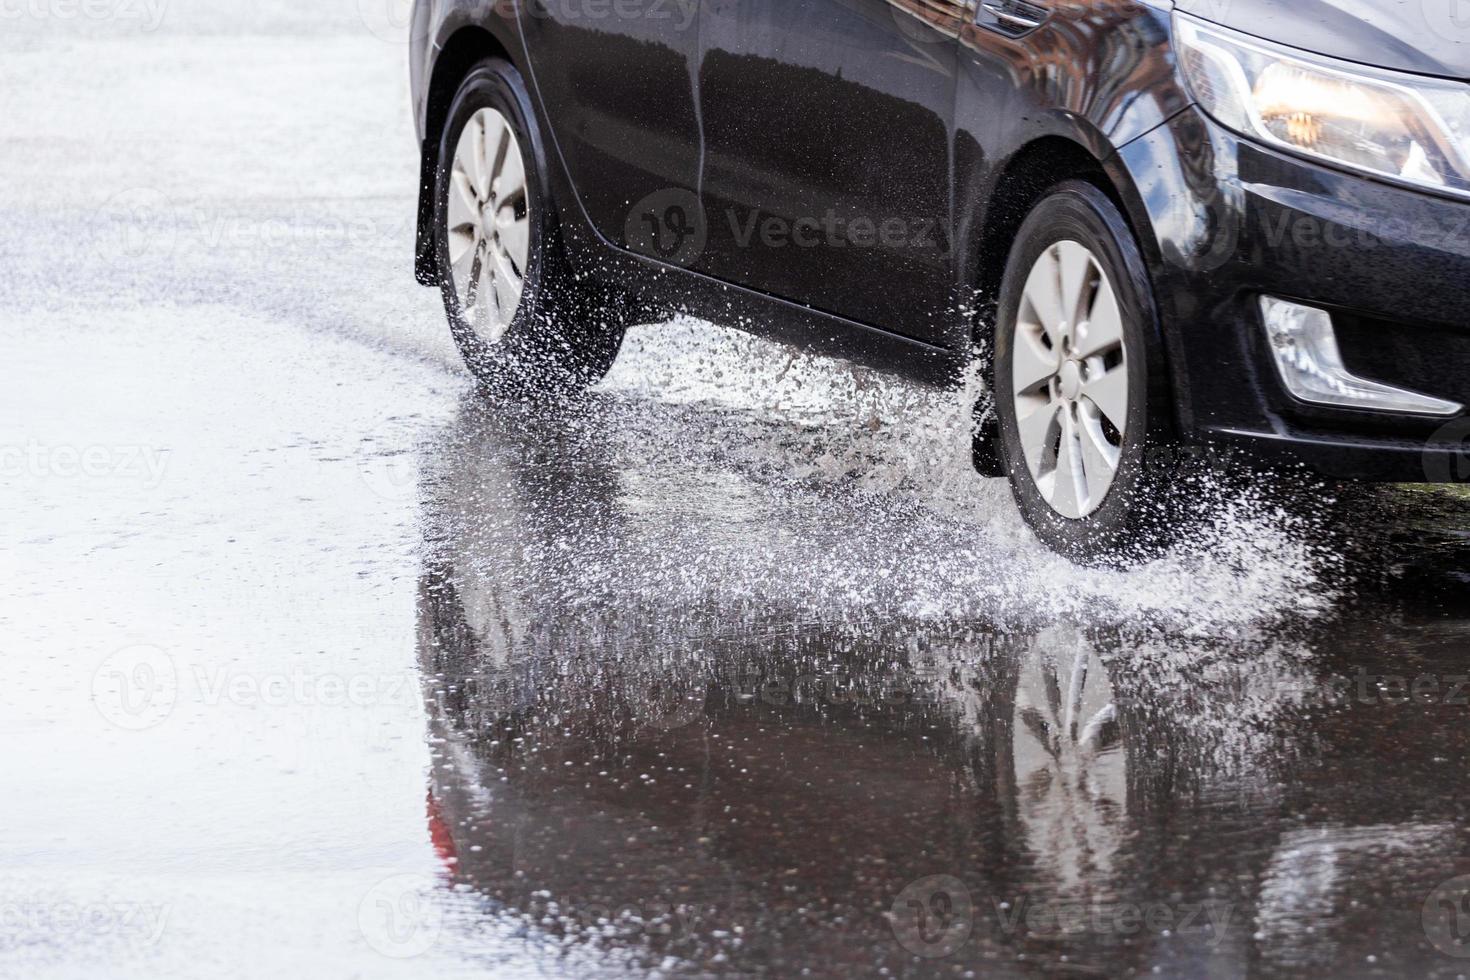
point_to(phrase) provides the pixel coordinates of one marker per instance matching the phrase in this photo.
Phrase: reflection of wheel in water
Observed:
(1071, 767)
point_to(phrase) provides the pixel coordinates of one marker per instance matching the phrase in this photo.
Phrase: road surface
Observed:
(320, 664)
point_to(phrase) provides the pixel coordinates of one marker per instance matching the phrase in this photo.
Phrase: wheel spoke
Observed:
(1031, 363)
(485, 292)
(510, 179)
(504, 310)
(484, 162)
(462, 256)
(464, 210)
(1042, 298)
(1095, 734)
(1104, 325)
(1071, 487)
(1099, 459)
(1037, 435)
(515, 238)
(496, 140)
(508, 283)
(469, 159)
(1075, 690)
(1077, 276)
(1109, 392)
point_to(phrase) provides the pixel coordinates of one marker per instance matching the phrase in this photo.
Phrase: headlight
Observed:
(1408, 128)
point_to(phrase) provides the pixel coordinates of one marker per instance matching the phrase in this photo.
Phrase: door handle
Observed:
(1015, 17)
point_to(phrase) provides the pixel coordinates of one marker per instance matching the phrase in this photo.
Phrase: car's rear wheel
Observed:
(521, 319)
(1080, 384)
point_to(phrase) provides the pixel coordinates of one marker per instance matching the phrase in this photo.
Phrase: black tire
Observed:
(1138, 516)
(566, 333)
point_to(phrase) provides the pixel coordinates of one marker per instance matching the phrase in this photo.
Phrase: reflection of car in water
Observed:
(751, 790)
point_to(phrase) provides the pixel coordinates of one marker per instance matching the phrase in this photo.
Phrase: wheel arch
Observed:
(464, 48)
(1019, 184)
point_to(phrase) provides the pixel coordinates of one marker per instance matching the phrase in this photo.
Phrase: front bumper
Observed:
(1234, 221)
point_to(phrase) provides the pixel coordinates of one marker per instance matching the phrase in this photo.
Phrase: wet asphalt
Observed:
(321, 663)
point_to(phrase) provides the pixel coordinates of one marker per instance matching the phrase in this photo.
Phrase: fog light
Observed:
(1311, 367)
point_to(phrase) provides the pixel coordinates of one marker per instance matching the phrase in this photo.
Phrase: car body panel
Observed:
(618, 87)
(827, 174)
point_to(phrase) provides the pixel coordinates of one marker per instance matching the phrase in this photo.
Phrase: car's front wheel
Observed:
(519, 316)
(1080, 384)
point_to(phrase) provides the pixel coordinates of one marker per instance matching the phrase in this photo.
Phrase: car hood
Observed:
(1430, 37)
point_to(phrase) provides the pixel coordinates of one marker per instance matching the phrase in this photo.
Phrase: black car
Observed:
(1167, 229)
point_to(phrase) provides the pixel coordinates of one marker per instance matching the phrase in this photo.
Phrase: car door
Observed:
(826, 176)
(617, 82)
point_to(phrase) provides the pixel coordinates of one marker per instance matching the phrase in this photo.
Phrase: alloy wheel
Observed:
(1070, 379)
(489, 221)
